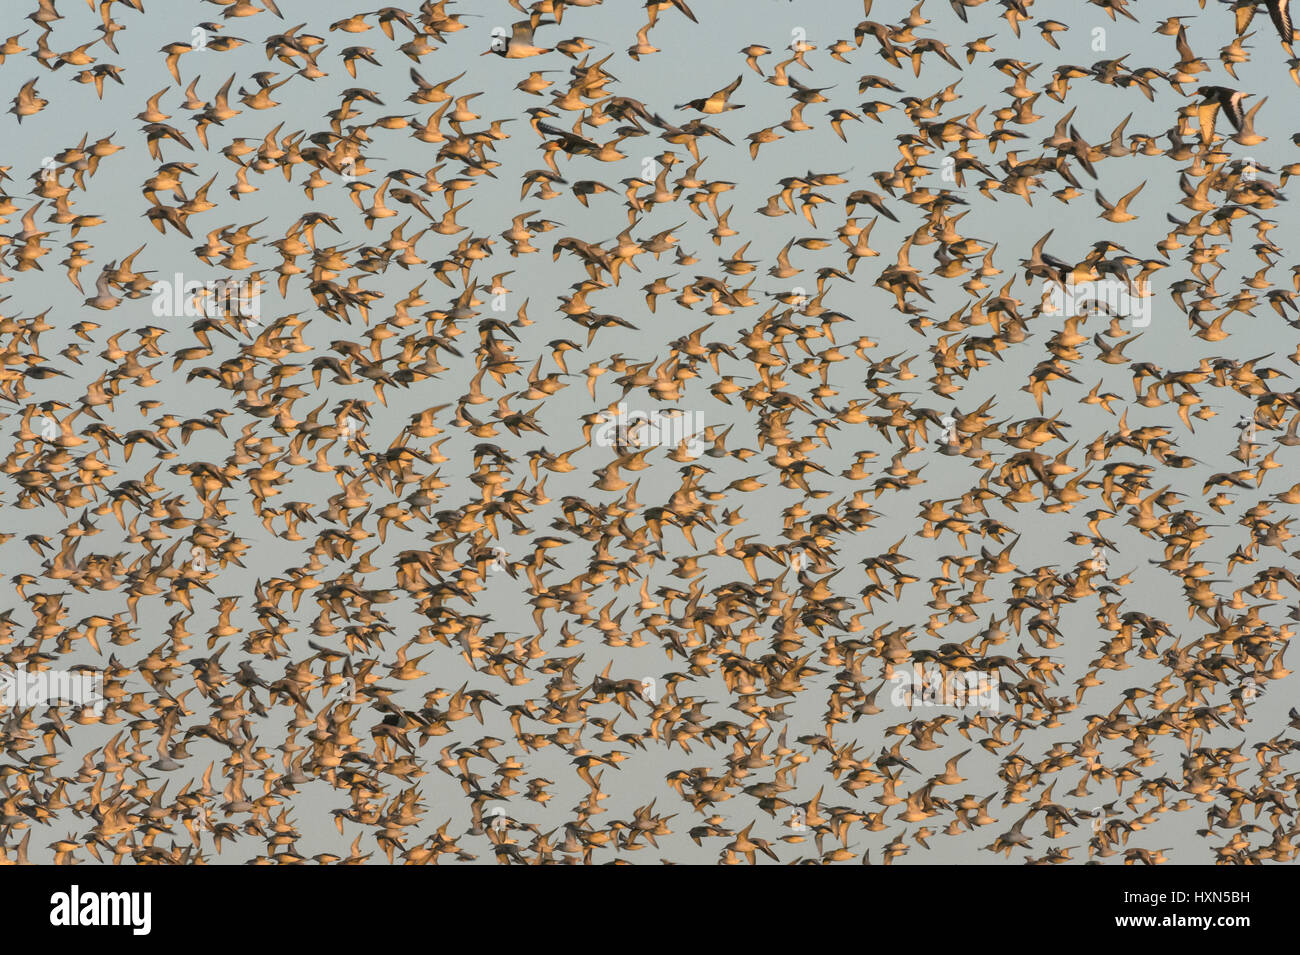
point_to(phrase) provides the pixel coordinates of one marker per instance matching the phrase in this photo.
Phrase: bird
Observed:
(1119, 211)
(27, 102)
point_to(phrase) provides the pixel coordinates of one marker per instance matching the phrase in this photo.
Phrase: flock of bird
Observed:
(668, 661)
